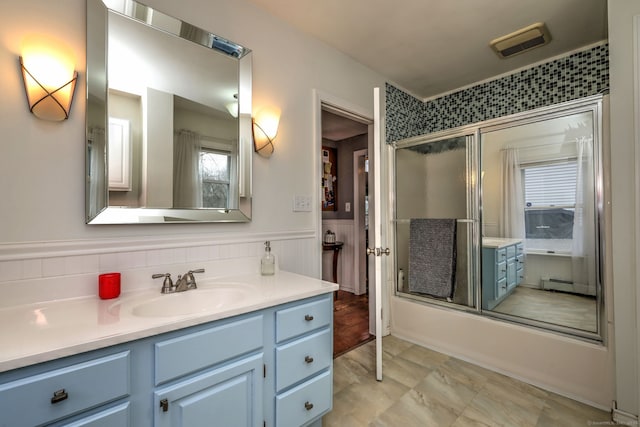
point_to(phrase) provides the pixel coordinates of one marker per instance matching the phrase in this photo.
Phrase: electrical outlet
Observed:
(347, 207)
(301, 203)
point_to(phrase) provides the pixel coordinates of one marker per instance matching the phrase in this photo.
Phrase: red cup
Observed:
(109, 285)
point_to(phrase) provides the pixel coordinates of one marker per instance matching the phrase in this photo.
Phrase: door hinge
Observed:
(264, 370)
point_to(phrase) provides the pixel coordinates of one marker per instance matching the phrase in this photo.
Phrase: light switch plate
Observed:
(301, 203)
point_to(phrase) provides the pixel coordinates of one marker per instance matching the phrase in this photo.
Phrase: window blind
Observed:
(550, 185)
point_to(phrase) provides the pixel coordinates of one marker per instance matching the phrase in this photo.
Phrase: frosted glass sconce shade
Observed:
(49, 78)
(265, 129)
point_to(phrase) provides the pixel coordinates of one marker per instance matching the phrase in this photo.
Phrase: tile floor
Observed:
(429, 389)
(559, 308)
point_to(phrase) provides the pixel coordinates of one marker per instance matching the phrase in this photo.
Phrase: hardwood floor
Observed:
(350, 322)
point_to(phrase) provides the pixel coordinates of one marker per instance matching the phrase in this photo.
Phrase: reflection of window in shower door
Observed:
(431, 182)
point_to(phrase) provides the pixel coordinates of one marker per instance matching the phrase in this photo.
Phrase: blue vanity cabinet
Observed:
(304, 362)
(502, 270)
(87, 390)
(271, 367)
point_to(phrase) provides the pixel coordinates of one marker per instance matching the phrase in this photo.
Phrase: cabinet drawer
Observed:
(31, 401)
(520, 249)
(302, 358)
(501, 288)
(294, 321)
(302, 404)
(511, 251)
(116, 416)
(501, 255)
(501, 272)
(192, 352)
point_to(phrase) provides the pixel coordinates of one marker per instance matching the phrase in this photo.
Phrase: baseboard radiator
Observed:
(550, 284)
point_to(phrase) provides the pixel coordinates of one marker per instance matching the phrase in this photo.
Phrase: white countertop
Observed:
(499, 242)
(39, 332)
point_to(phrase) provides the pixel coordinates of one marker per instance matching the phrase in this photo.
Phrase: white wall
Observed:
(625, 186)
(42, 163)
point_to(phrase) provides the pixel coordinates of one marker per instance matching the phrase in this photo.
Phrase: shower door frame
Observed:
(592, 103)
(472, 135)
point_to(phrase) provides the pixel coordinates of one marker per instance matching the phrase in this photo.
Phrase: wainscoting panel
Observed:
(35, 272)
(345, 232)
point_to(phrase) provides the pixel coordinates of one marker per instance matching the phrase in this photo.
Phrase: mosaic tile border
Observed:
(404, 114)
(575, 76)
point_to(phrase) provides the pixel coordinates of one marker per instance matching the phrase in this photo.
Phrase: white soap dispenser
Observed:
(268, 262)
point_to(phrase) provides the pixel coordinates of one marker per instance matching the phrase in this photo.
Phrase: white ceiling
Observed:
(338, 128)
(430, 47)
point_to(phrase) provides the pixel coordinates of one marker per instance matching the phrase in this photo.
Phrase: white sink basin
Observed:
(189, 302)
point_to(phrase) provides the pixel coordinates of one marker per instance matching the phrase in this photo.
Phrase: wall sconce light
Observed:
(232, 107)
(49, 77)
(265, 129)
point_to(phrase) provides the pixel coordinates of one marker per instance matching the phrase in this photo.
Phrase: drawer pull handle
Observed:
(164, 404)
(308, 406)
(308, 317)
(59, 396)
(308, 359)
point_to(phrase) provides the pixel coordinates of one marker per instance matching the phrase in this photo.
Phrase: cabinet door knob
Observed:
(308, 317)
(308, 406)
(59, 396)
(164, 404)
(308, 359)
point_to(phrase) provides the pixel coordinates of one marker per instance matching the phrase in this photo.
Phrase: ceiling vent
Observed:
(520, 41)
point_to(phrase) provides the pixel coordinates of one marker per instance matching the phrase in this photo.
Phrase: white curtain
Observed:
(187, 179)
(97, 197)
(512, 198)
(583, 243)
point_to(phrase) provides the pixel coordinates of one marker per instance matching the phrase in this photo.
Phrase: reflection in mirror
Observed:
(539, 223)
(434, 219)
(169, 139)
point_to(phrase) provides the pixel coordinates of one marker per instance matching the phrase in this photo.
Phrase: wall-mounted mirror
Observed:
(168, 119)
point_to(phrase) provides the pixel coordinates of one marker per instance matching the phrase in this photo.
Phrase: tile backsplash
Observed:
(574, 76)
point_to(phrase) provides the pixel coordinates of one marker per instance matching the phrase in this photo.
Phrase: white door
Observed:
(377, 247)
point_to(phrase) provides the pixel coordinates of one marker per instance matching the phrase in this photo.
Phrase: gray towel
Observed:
(432, 256)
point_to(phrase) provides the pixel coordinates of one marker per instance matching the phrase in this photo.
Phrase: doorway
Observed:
(344, 209)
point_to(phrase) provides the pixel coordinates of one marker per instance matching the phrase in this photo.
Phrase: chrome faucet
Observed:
(167, 284)
(183, 283)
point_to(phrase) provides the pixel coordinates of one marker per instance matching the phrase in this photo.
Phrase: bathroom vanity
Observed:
(502, 269)
(264, 357)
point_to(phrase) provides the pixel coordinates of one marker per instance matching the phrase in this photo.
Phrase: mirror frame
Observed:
(97, 115)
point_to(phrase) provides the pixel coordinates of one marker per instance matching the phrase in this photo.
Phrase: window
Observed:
(215, 167)
(550, 199)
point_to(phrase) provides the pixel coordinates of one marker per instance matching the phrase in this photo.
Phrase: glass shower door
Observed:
(436, 219)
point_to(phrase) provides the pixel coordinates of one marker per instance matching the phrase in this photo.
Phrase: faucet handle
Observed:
(191, 280)
(167, 284)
